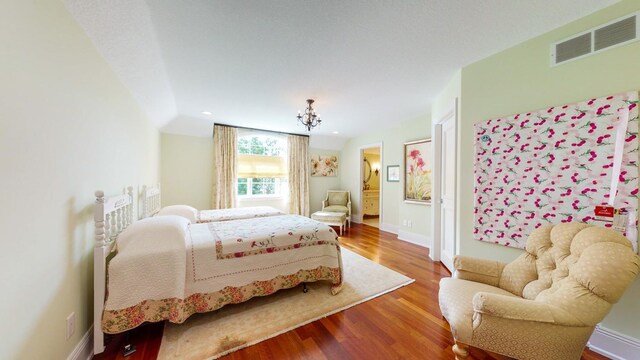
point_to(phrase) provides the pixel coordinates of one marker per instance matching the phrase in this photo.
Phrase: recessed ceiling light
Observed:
(207, 113)
(335, 132)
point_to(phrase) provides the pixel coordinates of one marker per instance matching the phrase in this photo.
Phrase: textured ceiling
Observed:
(369, 64)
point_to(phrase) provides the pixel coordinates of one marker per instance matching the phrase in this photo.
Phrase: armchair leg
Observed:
(461, 350)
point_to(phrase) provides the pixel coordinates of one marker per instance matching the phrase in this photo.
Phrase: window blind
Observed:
(259, 166)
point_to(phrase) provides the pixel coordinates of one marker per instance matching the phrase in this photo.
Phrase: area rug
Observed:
(215, 334)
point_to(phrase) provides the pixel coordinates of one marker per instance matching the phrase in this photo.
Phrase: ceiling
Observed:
(368, 64)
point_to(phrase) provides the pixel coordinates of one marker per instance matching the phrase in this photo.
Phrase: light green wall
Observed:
(187, 174)
(318, 186)
(520, 79)
(394, 209)
(68, 127)
(186, 170)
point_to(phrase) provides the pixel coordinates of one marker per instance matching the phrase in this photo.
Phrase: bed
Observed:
(167, 268)
(151, 206)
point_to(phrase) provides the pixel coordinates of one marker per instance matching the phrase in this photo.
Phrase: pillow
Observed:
(185, 211)
(157, 232)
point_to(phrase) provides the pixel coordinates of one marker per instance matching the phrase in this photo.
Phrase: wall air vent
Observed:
(616, 33)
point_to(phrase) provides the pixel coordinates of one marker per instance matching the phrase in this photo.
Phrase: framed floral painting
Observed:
(417, 167)
(323, 166)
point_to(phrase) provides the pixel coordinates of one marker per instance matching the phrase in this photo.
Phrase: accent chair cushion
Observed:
(336, 208)
(455, 302)
(338, 198)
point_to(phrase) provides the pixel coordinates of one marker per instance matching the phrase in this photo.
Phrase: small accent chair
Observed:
(338, 201)
(546, 303)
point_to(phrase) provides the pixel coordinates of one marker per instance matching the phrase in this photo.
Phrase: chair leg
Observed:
(461, 350)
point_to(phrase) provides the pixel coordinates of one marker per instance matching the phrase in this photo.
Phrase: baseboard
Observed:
(356, 219)
(390, 228)
(414, 238)
(614, 345)
(84, 349)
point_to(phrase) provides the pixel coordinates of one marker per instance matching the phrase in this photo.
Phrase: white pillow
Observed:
(162, 231)
(185, 211)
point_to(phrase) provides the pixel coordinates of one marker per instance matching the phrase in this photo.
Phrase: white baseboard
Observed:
(414, 238)
(84, 349)
(614, 345)
(389, 228)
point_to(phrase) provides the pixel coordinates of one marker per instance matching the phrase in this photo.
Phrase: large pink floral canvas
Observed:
(417, 165)
(555, 165)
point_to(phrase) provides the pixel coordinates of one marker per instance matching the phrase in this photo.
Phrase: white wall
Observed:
(67, 128)
(187, 170)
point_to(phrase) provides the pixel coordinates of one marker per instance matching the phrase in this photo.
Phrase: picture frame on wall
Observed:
(324, 166)
(393, 173)
(417, 169)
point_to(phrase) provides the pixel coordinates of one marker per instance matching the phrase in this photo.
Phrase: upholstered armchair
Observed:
(547, 302)
(338, 201)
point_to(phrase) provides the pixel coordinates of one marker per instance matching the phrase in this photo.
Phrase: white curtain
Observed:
(225, 148)
(298, 165)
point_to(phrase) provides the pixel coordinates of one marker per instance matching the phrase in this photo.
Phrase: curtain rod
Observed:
(270, 131)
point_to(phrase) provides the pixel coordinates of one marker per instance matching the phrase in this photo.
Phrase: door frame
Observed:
(436, 129)
(361, 182)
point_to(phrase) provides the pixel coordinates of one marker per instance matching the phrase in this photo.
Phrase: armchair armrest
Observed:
(349, 206)
(478, 270)
(517, 308)
(325, 203)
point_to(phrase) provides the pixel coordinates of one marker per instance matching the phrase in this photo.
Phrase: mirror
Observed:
(367, 171)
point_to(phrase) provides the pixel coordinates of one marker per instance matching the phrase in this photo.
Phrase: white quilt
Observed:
(208, 258)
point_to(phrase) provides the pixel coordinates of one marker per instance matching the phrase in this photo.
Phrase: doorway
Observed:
(445, 188)
(371, 184)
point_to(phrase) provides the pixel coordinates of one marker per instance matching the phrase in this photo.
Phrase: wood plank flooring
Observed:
(404, 324)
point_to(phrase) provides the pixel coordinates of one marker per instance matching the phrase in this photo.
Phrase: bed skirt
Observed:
(178, 310)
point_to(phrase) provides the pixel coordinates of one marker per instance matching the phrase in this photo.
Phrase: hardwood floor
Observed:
(404, 324)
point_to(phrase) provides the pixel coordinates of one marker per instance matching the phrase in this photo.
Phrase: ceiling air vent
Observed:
(612, 34)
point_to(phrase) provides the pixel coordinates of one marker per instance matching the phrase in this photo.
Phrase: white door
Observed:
(448, 191)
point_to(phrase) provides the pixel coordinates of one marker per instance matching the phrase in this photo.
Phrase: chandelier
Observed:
(309, 119)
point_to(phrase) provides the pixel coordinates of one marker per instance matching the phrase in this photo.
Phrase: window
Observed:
(262, 165)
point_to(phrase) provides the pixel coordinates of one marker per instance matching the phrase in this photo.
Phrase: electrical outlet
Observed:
(404, 222)
(71, 325)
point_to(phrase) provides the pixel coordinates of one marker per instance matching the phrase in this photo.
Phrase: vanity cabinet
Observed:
(371, 202)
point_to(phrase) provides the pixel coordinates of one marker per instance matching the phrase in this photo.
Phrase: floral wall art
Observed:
(556, 165)
(322, 166)
(417, 186)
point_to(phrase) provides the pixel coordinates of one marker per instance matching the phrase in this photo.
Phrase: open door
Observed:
(445, 188)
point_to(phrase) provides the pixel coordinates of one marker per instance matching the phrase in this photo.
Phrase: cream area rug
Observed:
(214, 334)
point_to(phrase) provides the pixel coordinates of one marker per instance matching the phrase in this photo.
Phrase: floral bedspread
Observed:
(267, 235)
(205, 216)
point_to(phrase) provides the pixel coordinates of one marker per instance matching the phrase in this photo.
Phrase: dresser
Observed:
(371, 202)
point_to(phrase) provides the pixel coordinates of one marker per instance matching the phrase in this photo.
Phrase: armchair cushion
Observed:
(336, 208)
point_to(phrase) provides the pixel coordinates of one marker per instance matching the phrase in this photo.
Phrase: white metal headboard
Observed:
(150, 200)
(111, 216)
